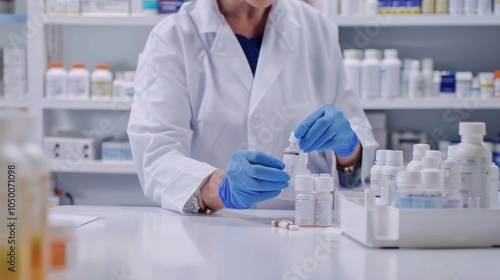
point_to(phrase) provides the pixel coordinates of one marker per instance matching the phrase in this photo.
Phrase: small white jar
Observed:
(55, 81)
(101, 82)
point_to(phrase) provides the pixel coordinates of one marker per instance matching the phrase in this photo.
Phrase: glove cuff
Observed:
(349, 148)
(225, 194)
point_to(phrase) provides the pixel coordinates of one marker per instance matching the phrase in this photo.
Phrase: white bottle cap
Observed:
(419, 151)
(391, 53)
(394, 156)
(293, 139)
(430, 163)
(371, 53)
(428, 64)
(451, 150)
(434, 154)
(304, 183)
(431, 178)
(325, 175)
(472, 128)
(408, 178)
(464, 76)
(415, 66)
(380, 155)
(323, 184)
(351, 54)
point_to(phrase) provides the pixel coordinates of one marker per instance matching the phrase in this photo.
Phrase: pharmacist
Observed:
(219, 88)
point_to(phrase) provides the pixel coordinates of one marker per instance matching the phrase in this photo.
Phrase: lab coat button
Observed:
(256, 120)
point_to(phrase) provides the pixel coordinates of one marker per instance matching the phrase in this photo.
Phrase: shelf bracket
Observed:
(52, 42)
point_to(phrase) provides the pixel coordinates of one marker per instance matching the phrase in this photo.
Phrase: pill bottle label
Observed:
(474, 175)
(54, 87)
(63, 254)
(101, 89)
(323, 212)
(304, 211)
(76, 87)
(432, 201)
(404, 201)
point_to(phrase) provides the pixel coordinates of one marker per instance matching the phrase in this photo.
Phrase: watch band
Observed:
(195, 204)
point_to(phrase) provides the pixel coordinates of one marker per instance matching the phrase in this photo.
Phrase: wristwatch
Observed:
(195, 203)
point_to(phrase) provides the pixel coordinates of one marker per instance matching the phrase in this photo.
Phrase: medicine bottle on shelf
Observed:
(428, 76)
(101, 80)
(418, 155)
(370, 75)
(304, 201)
(497, 77)
(390, 74)
(128, 89)
(352, 66)
(78, 83)
(415, 81)
(55, 81)
(375, 176)
(408, 182)
(450, 169)
(475, 162)
(293, 159)
(393, 165)
(323, 201)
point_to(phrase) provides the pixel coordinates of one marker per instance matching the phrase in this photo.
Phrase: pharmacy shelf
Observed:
(93, 167)
(13, 103)
(416, 20)
(12, 18)
(429, 103)
(98, 105)
(148, 21)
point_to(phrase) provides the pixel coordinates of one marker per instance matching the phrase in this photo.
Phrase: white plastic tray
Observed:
(390, 227)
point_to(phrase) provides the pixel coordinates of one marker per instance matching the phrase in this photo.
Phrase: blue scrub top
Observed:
(251, 48)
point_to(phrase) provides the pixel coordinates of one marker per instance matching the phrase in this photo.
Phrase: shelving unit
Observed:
(147, 21)
(93, 167)
(113, 105)
(429, 104)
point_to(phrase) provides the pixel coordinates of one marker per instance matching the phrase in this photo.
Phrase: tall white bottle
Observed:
(370, 75)
(475, 164)
(292, 160)
(450, 168)
(375, 175)
(415, 81)
(352, 66)
(390, 74)
(394, 164)
(418, 155)
(428, 76)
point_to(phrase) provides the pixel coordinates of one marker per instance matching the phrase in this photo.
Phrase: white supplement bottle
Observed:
(431, 183)
(436, 83)
(408, 182)
(128, 89)
(304, 201)
(405, 79)
(323, 201)
(118, 84)
(55, 81)
(418, 155)
(390, 74)
(415, 81)
(464, 84)
(375, 176)
(456, 7)
(393, 164)
(484, 7)
(352, 66)
(486, 83)
(428, 76)
(370, 75)
(475, 162)
(470, 7)
(428, 6)
(451, 185)
(497, 84)
(101, 80)
(78, 85)
(292, 160)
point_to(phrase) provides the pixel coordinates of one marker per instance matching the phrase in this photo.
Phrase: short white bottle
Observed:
(78, 85)
(376, 174)
(370, 75)
(408, 183)
(55, 81)
(304, 201)
(388, 186)
(470, 7)
(484, 7)
(323, 201)
(352, 66)
(101, 82)
(475, 163)
(451, 185)
(434, 154)
(118, 84)
(390, 74)
(456, 7)
(428, 76)
(431, 183)
(416, 81)
(418, 155)
(128, 89)
(405, 81)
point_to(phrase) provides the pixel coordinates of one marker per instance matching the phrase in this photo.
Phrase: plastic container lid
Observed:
(60, 229)
(409, 178)
(380, 155)
(486, 77)
(323, 184)
(102, 66)
(472, 128)
(434, 154)
(419, 150)
(325, 175)
(451, 150)
(351, 54)
(430, 163)
(371, 53)
(293, 139)
(56, 64)
(427, 64)
(464, 76)
(431, 178)
(415, 66)
(394, 156)
(391, 53)
(304, 183)
(78, 65)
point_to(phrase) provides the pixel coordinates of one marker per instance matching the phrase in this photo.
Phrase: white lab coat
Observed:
(197, 101)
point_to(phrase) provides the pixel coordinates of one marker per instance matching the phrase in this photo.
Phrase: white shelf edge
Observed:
(429, 104)
(112, 105)
(148, 21)
(13, 103)
(95, 167)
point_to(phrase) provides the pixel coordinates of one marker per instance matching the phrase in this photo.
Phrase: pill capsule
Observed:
(293, 227)
(275, 223)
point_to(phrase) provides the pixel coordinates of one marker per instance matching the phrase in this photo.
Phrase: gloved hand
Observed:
(252, 177)
(326, 129)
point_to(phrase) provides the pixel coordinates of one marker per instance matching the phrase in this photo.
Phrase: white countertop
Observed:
(128, 243)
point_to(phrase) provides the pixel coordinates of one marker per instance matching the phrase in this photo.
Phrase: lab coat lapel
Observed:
(275, 51)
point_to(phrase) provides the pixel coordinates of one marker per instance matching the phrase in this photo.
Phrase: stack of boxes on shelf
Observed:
(14, 73)
(112, 7)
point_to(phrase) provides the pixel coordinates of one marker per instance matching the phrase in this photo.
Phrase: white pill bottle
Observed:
(101, 82)
(323, 201)
(475, 164)
(304, 201)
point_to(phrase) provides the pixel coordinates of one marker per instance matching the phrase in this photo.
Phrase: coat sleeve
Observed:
(160, 125)
(347, 102)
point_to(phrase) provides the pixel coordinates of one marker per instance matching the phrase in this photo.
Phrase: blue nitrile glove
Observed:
(252, 177)
(326, 129)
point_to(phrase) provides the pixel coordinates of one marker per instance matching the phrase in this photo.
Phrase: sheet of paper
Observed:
(78, 220)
